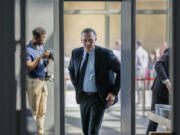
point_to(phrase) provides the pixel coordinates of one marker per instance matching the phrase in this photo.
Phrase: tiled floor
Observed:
(110, 125)
(111, 122)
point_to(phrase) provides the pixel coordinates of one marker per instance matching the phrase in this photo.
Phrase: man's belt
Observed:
(90, 93)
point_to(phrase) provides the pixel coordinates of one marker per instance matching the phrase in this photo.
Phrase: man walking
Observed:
(92, 70)
(37, 59)
(142, 61)
(161, 86)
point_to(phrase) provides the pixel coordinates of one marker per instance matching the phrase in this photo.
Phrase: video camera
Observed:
(48, 75)
(51, 56)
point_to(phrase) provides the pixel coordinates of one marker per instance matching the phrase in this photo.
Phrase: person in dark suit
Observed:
(95, 74)
(161, 86)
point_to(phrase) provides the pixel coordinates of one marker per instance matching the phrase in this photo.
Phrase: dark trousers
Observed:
(152, 126)
(92, 112)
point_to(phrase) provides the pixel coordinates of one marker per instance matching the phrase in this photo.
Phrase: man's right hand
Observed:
(111, 98)
(46, 54)
(169, 86)
(32, 64)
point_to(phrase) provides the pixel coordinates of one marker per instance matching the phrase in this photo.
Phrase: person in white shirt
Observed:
(117, 49)
(141, 68)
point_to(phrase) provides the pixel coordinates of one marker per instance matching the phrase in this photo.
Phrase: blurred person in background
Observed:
(117, 52)
(161, 86)
(165, 46)
(117, 49)
(158, 53)
(142, 60)
(151, 70)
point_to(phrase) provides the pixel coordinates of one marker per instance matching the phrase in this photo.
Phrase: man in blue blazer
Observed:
(95, 74)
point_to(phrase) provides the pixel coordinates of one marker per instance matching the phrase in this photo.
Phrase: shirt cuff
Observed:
(164, 81)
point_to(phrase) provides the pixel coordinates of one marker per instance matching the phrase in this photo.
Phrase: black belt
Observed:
(90, 93)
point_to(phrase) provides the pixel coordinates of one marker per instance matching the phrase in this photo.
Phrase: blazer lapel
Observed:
(79, 59)
(96, 60)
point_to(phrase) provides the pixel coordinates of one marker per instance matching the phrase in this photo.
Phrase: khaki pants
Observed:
(37, 97)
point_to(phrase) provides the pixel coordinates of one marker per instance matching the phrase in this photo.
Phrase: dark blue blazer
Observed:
(107, 72)
(160, 91)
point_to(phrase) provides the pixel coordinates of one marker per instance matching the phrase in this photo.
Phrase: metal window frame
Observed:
(113, 12)
(10, 123)
(7, 69)
(107, 12)
(22, 41)
(59, 67)
(128, 67)
(176, 66)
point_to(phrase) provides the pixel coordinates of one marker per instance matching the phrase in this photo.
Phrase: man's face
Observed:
(88, 40)
(41, 40)
(137, 46)
(118, 44)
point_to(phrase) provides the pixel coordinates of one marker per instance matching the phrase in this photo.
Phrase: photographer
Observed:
(37, 59)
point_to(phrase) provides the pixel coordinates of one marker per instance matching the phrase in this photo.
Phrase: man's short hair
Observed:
(138, 42)
(38, 32)
(88, 30)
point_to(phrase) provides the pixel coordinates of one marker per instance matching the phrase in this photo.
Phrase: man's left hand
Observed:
(111, 98)
(169, 86)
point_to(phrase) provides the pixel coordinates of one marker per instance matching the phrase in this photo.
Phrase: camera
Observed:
(49, 76)
(51, 56)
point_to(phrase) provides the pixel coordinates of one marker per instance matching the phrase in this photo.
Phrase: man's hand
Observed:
(46, 54)
(33, 64)
(169, 86)
(111, 98)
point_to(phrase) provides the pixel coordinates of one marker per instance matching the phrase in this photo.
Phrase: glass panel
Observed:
(151, 31)
(84, 5)
(40, 14)
(115, 29)
(151, 4)
(17, 54)
(72, 32)
(115, 5)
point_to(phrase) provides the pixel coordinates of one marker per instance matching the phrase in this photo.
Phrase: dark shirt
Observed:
(31, 54)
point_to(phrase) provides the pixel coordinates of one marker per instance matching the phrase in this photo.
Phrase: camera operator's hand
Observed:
(46, 54)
